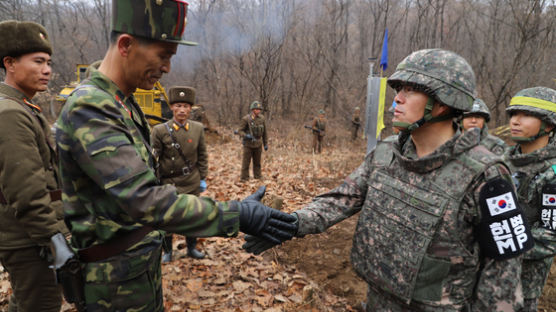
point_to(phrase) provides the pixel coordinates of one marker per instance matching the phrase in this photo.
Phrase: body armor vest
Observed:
(527, 179)
(406, 215)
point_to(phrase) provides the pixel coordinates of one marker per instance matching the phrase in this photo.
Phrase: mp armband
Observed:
(503, 232)
(548, 211)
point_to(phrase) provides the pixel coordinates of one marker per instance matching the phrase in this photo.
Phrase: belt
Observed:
(114, 247)
(54, 196)
(185, 171)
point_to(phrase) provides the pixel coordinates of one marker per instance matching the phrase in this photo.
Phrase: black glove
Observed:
(266, 148)
(260, 220)
(257, 245)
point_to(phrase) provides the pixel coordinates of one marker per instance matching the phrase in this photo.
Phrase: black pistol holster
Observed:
(68, 272)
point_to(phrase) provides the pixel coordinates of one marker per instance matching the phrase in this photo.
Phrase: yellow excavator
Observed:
(154, 103)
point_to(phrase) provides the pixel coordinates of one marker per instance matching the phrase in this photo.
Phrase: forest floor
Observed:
(309, 274)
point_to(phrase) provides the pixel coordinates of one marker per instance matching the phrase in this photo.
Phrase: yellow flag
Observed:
(381, 99)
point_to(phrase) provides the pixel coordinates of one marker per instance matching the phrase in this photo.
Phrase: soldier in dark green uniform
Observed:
(439, 227)
(179, 145)
(114, 205)
(252, 129)
(355, 123)
(533, 162)
(478, 117)
(319, 130)
(30, 196)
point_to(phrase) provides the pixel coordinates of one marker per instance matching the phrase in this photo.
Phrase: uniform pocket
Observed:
(430, 279)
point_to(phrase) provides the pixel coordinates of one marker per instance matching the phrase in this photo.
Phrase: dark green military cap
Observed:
(19, 38)
(181, 95)
(162, 20)
(255, 105)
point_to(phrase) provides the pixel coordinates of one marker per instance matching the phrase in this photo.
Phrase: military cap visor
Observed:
(161, 20)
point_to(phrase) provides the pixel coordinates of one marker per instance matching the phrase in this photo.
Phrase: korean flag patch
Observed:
(501, 204)
(503, 231)
(548, 211)
(549, 200)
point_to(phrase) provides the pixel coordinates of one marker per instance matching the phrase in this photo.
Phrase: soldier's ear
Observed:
(124, 43)
(9, 62)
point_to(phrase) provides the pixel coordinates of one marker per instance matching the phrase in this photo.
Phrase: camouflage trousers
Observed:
(317, 143)
(533, 276)
(248, 154)
(379, 301)
(33, 283)
(132, 282)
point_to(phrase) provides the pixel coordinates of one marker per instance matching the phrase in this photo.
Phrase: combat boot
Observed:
(191, 251)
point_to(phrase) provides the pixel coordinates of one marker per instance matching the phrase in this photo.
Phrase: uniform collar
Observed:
(102, 81)
(406, 153)
(516, 158)
(177, 125)
(16, 94)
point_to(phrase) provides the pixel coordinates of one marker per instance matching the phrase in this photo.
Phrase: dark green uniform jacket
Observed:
(191, 140)
(109, 183)
(256, 127)
(27, 175)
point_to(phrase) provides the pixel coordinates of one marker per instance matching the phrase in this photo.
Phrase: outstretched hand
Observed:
(259, 220)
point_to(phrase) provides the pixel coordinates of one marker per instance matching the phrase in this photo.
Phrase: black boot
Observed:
(191, 251)
(167, 249)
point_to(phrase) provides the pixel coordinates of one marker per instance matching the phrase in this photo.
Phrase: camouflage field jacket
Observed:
(535, 178)
(109, 185)
(416, 241)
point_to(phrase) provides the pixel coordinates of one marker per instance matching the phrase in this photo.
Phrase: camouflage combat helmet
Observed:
(19, 38)
(181, 95)
(162, 20)
(479, 108)
(255, 105)
(539, 102)
(443, 75)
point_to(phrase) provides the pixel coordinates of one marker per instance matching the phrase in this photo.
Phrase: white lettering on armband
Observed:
(508, 232)
(548, 218)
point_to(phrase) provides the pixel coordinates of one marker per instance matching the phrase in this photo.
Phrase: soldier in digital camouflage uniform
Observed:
(439, 226)
(30, 197)
(319, 130)
(179, 145)
(252, 129)
(478, 117)
(114, 205)
(533, 163)
(355, 123)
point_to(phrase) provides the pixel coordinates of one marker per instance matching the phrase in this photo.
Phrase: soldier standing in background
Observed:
(478, 117)
(179, 145)
(30, 196)
(439, 226)
(252, 129)
(319, 130)
(355, 123)
(533, 163)
(114, 205)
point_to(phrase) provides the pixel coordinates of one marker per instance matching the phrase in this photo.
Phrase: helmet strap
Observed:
(427, 117)
(542, 132)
